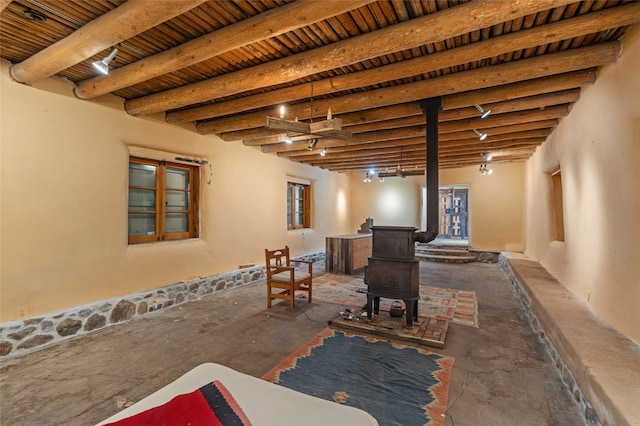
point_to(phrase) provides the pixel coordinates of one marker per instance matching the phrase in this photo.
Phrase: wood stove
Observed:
(393, 270)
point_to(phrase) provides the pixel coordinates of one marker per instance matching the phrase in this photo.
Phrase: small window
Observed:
(162, 201)
(558, 209)
(298, 203)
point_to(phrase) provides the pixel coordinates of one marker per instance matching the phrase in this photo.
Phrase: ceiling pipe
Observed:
(430, 108)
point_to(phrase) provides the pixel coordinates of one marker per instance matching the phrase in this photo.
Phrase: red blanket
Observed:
(211, 405)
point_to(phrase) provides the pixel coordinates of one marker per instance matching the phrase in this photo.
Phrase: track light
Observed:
(287, 139)
(312, 144)
(486, 156)
(484, 113)
(481, 135)
(323, 152)
(281, 111)
(103, 65)
(484, 170)
(368, 176)
(381, 178)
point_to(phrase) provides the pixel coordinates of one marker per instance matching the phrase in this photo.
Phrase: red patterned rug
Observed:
(456, 306)
(396, 384)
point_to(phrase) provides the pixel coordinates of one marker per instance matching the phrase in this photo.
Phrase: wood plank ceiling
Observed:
(225, 65)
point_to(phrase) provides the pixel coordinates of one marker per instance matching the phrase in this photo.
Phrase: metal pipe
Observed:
(430, 108)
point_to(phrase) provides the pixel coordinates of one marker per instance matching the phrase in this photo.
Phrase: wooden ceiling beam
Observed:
(131, 18)
(452, 162)
(385, 117)
(416, 32)
(529, 38)
(4, 4)
(302, 156)
(247, 31)
(417, 151)
(562, 65)
(497, 133)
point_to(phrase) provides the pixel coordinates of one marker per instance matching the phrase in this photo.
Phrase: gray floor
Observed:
(501, 376)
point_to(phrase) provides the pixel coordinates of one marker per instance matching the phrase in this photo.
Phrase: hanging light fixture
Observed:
(481, 135)
(484, 113)
(103, 65)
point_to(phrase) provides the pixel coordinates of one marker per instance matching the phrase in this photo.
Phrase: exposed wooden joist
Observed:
(558, 31)
(127, 20)
(414, 33)
(268, 24)
(511, 72)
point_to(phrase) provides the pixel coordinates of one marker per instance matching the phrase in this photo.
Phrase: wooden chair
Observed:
(282, 278)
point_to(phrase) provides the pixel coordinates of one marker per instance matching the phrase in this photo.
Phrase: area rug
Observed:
(396, 384)
(456, 306)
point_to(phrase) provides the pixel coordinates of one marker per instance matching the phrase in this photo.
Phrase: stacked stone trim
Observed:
(590, 416)
(20, 337)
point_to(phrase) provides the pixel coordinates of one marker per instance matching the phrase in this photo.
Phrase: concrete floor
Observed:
(501, 376)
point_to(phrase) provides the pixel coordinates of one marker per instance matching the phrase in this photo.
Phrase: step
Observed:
(446, 259)
(442, 252)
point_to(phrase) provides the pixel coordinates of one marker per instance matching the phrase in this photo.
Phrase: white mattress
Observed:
(264, 403)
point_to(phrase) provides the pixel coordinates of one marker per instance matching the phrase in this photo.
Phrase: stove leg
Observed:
(412, 311)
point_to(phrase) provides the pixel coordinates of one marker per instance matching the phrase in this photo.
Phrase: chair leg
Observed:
(292, 295)
(268, 295)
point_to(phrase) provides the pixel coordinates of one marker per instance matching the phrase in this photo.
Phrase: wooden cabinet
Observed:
(345, 254)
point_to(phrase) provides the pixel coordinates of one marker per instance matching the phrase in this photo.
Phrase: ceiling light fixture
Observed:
(34, 15)
(486, 156)
(481, 135)
(484, 113)
(312, 144)
(368, 176)
(103, 65)
(287, 139)
(484, 170)
(323, 152)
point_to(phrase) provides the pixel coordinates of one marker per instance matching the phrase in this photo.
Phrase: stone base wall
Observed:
(23, 336)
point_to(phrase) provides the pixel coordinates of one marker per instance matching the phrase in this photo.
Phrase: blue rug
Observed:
(396, 384)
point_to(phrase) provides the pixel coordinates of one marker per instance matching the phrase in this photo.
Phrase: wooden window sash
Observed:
(161, 197)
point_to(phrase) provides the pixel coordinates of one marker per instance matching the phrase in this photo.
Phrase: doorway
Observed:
(453, 215)
(454, 202)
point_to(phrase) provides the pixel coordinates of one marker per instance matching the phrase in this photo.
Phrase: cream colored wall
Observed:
(598, 150)
(394, 202)
(496, 203)
(64, 171)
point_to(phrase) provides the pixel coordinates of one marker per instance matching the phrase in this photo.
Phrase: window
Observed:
(298, 205)
(162, 201)
(558, 208)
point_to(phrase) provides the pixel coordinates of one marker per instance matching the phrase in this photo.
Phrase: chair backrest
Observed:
(278, 257)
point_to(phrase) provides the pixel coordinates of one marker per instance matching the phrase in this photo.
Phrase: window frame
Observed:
(291, 203)
(161, 199)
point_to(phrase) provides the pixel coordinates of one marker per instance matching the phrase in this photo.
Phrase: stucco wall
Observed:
(597, 148)
(63, 229)
(496, 203)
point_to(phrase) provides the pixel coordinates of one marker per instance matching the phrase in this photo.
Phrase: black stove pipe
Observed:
(430, 108)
